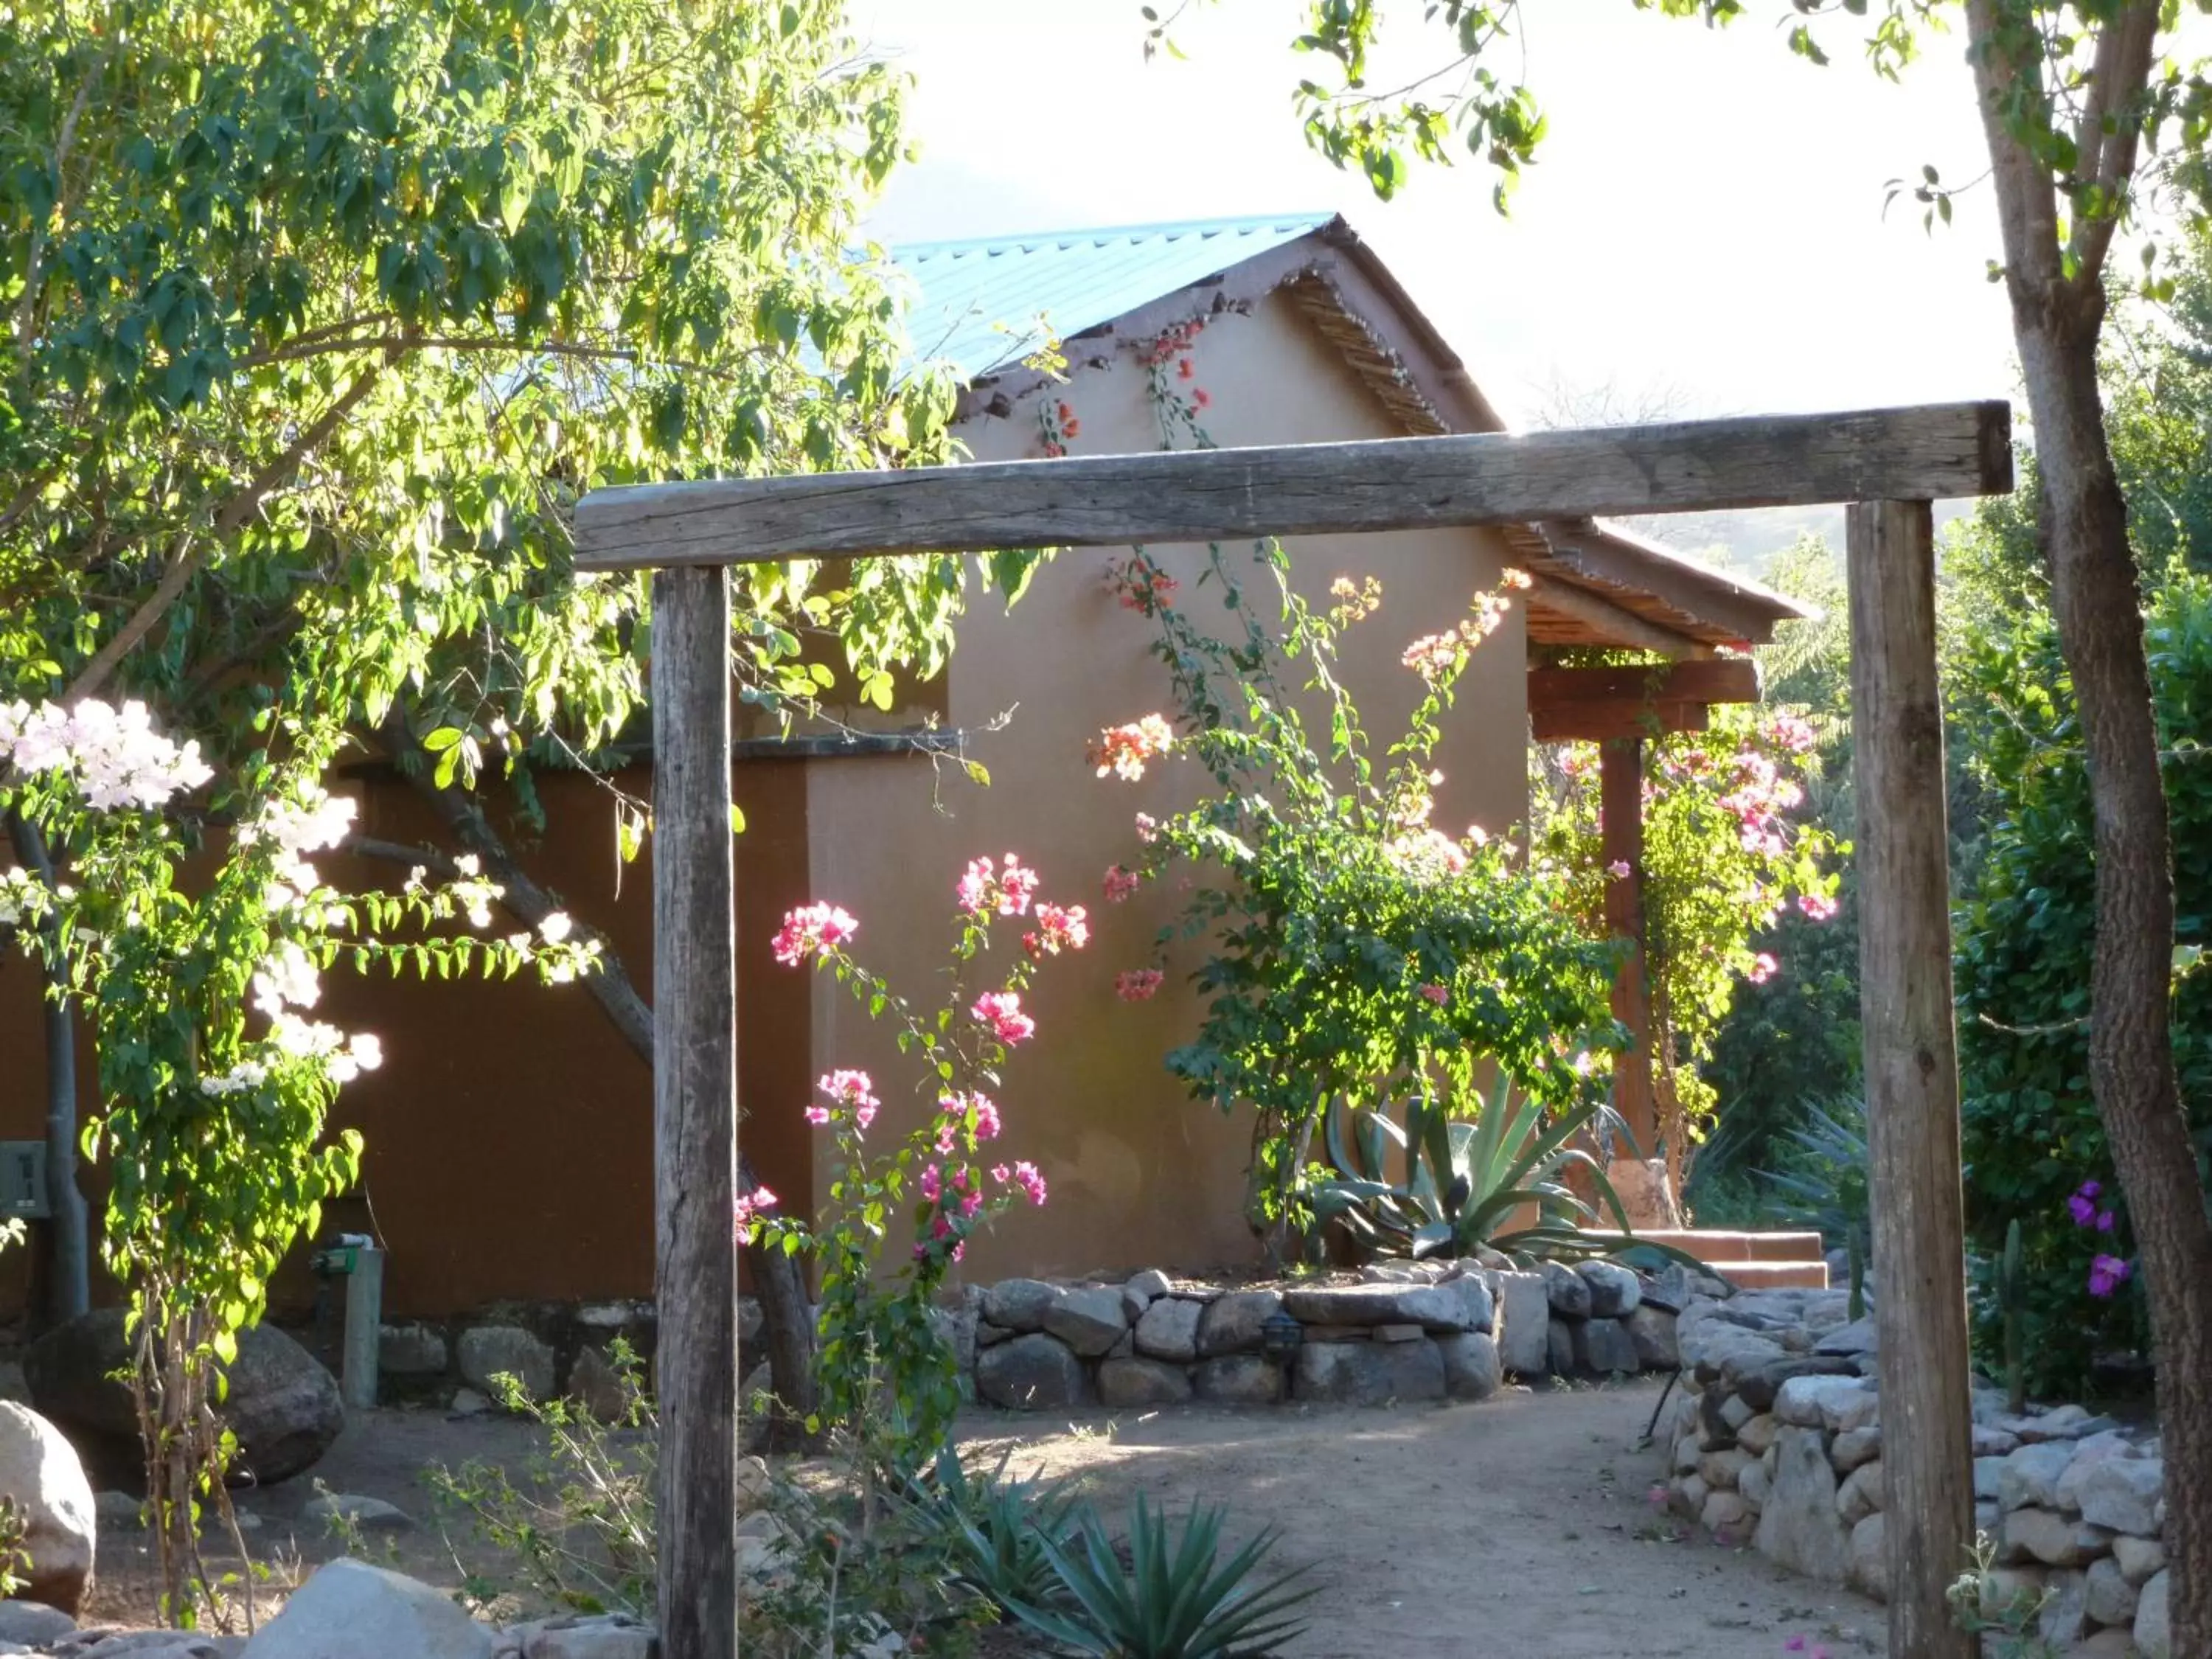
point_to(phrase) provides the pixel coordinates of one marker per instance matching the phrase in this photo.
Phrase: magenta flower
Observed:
(748, 1207)
(1058, 928)
(2090, 1189)
(2107, 1273)
(1763, 968)
(2104, 1220)
(855, 1092)
(1137, 985)
(817, 1115)
(811, 928)
(1439, 995)
(932, 1183)
(1028, 1178)
(1618, 870)
(1001, 1173)
(1815, 907)
(1148, 828)
(976, 1111)
(1002, 1012)
(1794, 1645)
(1121, 882)
(2082, 1209)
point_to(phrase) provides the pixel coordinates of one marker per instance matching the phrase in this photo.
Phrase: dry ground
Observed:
(1515, 1529)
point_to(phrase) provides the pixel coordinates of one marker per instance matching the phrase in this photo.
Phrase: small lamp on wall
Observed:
(1280, 1336)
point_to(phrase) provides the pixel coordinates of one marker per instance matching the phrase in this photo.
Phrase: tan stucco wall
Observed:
(1139, 1174)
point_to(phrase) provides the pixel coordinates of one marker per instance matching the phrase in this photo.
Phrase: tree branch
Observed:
(2027, 209)
(34, 272)
(299, 349)
(192, 551)
(2117, 76)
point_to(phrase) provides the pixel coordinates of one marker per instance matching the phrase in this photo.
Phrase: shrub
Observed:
(2032, 1135)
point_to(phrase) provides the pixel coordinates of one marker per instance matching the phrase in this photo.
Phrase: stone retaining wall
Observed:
(1776, 1441)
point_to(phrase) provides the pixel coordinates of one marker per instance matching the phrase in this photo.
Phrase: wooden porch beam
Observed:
(1607, 722)
(1720, 679)
(1616, 623)
(1926, 453)
(1911, 1075)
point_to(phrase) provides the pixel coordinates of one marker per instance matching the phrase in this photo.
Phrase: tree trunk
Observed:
(785, 1315)
(2093, 583)
(70, 1293)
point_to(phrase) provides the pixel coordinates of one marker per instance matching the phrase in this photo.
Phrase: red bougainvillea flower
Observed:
(1439, 995)
(1121, 882)
(1200, 397)
(811, 928)
(1763, 968)
(1137, 984)
(1071, 429)
(1002, 1012)
(1123, 749)
(1059, 928)
(1185, 369)
(748, 1207)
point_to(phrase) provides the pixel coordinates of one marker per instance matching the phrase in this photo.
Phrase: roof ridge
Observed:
(1160, 229)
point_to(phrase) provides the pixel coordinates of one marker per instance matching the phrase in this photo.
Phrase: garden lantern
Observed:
(1280, 1337)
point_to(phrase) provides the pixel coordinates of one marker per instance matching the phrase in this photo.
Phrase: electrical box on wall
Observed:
(23, 1180)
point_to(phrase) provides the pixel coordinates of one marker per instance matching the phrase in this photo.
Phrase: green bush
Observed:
(2032, 1135)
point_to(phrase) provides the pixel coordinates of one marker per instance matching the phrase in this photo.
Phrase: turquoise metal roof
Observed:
(986, 302)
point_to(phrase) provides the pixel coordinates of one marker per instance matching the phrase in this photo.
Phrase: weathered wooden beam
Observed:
(1605, 722)
(1931, 453)
(1720, 679)
(1620, 835)
(1616, 624)
(695, 1120)
(1911, 1075)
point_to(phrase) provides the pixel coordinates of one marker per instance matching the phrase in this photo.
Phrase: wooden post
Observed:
(1911, 1075)
(695, 1124)
(1620, 830)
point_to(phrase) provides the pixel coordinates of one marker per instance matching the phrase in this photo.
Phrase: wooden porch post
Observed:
(694, 1127)
(1911, 1073)
(1620, 833)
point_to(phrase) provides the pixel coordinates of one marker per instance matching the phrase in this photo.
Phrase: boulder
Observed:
(283, 1405)
(2009, 1593)
(1753, 1483)
(1142, 1382)
(1757, 1433)
(595, 1384)
(1239, 1379)
(1570, 1292)
(2127, 1494)
(1799, 1526)
(1735, 1412)
(1651, 1333)
(2054, 1540)
(1862, 1494)
(40, 1472)
(1854, 1447)
(1759, 1383)
(1035, 1372)
(1603, 1347)
(1232, 1325)
(2111, 1600)
(1524, 1311)
(1993, 1442)
(1150, 1285)
(1855, 1340)
(31, 1624)
(2153, 1622)
(1614, 1290)
(490, 1350)
(1461, 1304)
(1368, 1373)
(1394, 1333)
(1560, 1338)
(1089, 1320)
(1868, 1570)
(355, 1511)
(1711, 1349)
(2030, 1475)
(1720, 1470)
(411, 1351)
(1169, 1329)
(350, 1610)
(1018, 1305)
(1723, 1512)
(602, 1636)
(2140, 1559)
(1472, 1367)
(1817, 1402)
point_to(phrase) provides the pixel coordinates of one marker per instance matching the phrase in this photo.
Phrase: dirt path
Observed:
(1518, 1528)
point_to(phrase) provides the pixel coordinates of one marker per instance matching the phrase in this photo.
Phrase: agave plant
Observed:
(1176, 1599)
(995, 1531)
(1827, 1187)
(1466, 1178)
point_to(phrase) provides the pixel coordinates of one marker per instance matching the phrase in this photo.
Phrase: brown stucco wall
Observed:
(1139, 1174)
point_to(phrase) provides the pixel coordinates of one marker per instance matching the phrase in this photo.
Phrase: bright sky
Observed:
(1703, 235)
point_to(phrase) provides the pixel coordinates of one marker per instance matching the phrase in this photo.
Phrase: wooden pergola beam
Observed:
(1620, 717)
(1926, 454)
(1616, 623)
(1718, 679)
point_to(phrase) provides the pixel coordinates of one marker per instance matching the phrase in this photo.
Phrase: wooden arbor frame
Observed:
(1889, 463)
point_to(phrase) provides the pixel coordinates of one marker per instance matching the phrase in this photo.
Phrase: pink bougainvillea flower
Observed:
(1058, 928)
(987, 887)
(1028, 1178)
(977, 1110)
(1002, 1012)
(1619, 870)
(1138, 984)
(1124, 749)
(817, 1115)
(1432, 655)
(856, 1091)
(1657, 1497)
(1817, 907)
(1439, 995)
(971, 1203)
(811, 928)
(748, 1207)
(1121, 882)
(1148, 828)
(1763, 968)
(932, 1183)
(1794, 1645)
(948, 1136)
(2107, 1273)
(1200, 396)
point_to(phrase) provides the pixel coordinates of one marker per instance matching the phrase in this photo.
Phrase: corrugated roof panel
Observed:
(978, 303)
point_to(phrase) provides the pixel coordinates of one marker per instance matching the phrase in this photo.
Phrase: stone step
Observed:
(1718, 1247)
(1775, 1275)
